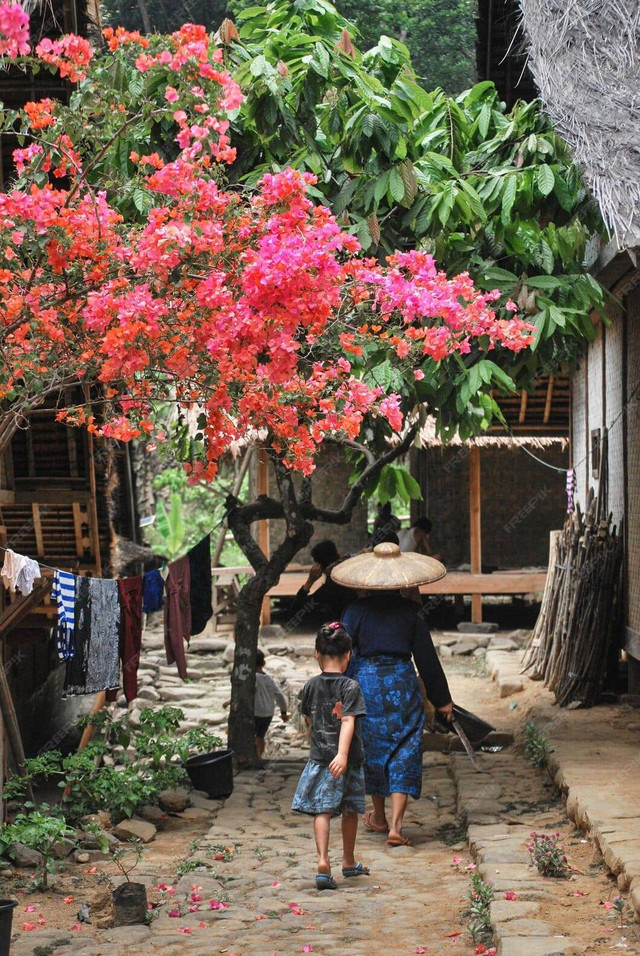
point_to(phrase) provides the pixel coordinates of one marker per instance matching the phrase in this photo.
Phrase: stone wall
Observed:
(522, 501)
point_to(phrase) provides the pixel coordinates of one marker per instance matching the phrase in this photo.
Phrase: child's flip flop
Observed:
(324, 881)
(357, 870)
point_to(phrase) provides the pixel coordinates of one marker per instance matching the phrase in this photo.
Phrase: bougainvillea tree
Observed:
(129, 272)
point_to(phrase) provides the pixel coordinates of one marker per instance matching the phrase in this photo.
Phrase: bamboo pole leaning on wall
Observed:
(570, 642)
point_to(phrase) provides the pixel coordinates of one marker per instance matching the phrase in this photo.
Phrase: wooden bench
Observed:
(227, 584)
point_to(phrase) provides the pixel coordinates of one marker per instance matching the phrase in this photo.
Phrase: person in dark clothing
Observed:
(390, 633)
(330, 599)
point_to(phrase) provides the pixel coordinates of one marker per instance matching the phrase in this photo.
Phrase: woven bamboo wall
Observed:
(632, 563)
(579, 429)
(614, 393)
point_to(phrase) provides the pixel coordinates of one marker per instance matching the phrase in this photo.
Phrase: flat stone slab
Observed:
(486, 627)
(538, 946)
(524, 927)
(504, 911)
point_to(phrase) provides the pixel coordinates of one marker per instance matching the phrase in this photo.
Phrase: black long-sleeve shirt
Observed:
(387, 623)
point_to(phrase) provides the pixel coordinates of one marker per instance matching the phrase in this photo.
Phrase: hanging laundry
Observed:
(99, 644)
(19, 572)
(130, 591)
(153, 592)
(201, 590)
(63, 592)
(75, 679)
(177, 613)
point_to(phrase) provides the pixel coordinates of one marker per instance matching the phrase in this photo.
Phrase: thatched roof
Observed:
(584, 58)
(429, 439)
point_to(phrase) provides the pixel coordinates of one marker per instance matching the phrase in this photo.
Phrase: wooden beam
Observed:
(475, 527)
(263, 526)
(59, 496)
(14, 613)
(523, 406)
(549, 401)
(7, 497)
(94, 528)
(37, 529)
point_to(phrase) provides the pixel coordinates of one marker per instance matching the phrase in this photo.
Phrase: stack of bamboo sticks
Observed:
(570, 642)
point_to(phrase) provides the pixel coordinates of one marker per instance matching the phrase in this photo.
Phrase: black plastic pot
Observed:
(213, 773)
(6, 916)
(129, 904)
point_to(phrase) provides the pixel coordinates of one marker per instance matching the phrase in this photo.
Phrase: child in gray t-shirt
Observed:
(332, 783)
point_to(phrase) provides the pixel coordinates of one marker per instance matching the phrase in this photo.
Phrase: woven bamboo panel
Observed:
(632, 575)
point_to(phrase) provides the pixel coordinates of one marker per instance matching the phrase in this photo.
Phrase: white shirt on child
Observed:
(267, 695)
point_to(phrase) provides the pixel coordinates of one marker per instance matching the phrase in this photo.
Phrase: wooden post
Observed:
(263, 526)
(475, 523)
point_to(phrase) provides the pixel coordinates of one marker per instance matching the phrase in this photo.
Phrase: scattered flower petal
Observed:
(76, 928)
(420, 949)
(456, 860)
(608, 905)
(451, 935)
(276, 883)
(27, 927)
(30, 908)
(579, 893)
(68, 899)
(174, 912)
(509, 895)
(92, 870)
(307, 949)
(184, 929)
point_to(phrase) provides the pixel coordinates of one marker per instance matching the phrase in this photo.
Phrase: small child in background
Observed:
(332, 783)
(268, 694)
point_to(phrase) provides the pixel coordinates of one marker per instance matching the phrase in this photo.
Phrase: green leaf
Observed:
(544, 282)
(396, 186)
(508, 198)
(484, 118)
(545, 180)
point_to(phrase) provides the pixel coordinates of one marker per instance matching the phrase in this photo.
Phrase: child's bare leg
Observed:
(321, 825)
(349, 831)
(260, 744)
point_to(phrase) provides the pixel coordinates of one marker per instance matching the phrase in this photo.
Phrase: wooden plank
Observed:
(37, 529)
(13, 615)
(549, 401)
(7, 497)
(94, 528)
(58, 496)
(523, 406)
(77, 528)
(475, 526)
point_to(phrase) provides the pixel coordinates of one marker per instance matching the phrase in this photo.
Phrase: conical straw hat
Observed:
(387, 568)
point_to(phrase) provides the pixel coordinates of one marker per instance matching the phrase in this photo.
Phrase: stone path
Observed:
(256, 858)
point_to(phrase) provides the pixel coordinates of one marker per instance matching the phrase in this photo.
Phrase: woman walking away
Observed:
(388, 630)
(332, 783)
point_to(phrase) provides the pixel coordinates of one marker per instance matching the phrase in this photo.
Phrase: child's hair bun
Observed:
(333, 640)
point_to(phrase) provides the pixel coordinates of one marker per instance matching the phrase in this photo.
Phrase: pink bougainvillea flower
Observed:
(76, 928)
(202, 925)
(174, 912)
(480, 949)
(184, 929)
(161, 886)
(68, 899)
(92, 870)
(458, 932)
(262, 916)
(471, 866)
(194, 908)
(41, 920)
(456, 860)
(307, 949)
(196, 898)
(608, 905)
(420, 949)
(276, 883)
(579, 893)
(30, 908)
(27, 927)
(196, 888)
(509, 895)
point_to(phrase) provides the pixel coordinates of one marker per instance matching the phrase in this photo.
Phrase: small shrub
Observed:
(547, 854)
(38, 830)
(537, 746)
(480, 895)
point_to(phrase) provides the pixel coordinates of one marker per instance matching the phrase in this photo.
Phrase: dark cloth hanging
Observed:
(153, 592)
(76, 670)
(201, 589)
(96, 664)
(177, 613)
(130, 592)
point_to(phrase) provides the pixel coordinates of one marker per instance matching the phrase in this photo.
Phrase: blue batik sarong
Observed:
(392, 728)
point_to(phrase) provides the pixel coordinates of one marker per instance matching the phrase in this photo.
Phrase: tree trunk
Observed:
(243, 676)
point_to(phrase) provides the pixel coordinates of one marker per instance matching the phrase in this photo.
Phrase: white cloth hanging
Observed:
(19, 572)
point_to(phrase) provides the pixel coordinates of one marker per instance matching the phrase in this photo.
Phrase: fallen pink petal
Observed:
(420, 949)
(509, 895)
(174, 912)
(27, 927)
(456, 860)
(608, 905)
(307, 949)
(76, 928)
(184, 929)
(276, 883)
(30, 909)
